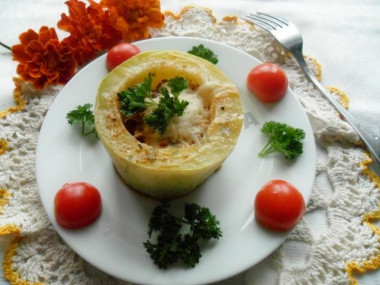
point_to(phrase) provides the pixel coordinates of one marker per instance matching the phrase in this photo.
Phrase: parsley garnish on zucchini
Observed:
(139, 97)
(167, 108)
(83, 116)
(204, 53)
(177, 240)
(136, 98)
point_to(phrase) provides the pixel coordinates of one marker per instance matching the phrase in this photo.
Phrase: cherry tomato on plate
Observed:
(77, 205)
(120, 53)
(279, 205)
(268, 82)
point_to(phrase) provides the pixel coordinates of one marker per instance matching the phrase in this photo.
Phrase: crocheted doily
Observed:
(335, 238)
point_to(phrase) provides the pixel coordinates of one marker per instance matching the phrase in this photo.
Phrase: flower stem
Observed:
(4, 45)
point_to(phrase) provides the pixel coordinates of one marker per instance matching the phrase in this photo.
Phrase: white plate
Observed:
(114, 243)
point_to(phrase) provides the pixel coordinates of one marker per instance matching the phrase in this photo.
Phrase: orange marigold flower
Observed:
(91, 30)
(43, 59)
(134, 17)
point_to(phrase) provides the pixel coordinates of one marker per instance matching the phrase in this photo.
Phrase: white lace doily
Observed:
(334, 238)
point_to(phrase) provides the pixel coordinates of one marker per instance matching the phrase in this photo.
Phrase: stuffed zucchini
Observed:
(167, 161)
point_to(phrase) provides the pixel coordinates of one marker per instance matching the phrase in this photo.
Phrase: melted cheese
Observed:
(186, 129)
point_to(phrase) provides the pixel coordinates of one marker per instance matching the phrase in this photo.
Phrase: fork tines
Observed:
(265, 21)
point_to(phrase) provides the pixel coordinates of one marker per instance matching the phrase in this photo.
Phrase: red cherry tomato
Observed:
(120, 53)
(279, 205)
(77, 205)
(268, 82)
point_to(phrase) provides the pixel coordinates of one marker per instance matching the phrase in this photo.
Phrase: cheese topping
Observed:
(183, 130)
(186, 129)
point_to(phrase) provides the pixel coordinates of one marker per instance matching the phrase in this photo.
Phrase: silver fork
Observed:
(288, 35)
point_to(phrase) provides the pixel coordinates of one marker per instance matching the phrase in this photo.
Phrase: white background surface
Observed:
(344, 35)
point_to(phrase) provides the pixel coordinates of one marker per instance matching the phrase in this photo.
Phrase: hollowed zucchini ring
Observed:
(174, 170)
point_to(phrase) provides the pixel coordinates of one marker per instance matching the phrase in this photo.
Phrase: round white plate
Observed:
(114, 243)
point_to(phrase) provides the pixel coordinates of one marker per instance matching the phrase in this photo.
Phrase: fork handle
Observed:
(372, 143)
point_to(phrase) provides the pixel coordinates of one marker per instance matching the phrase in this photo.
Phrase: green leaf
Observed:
(168, 107)
(282, 138)
(139, 97)
(204, 53)
(83, 116)
(175, 240)
(190, 251)
(177, 85)
(162, 220)
(163, 254)
(203, 224)
(133, 99)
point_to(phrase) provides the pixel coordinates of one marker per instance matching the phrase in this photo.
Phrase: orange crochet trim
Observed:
(4, 198)
(185, 9)
(3, 146)
(227, 18)
(230, 19)
(12, 276)
(17, 98)
(373, 263)
(9, 229)
(343, 98)
(318, 66)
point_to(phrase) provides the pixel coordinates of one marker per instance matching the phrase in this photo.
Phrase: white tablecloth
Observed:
(343, 35)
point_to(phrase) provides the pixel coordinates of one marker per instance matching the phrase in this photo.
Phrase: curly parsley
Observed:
(178, 238)
(167, 108)
(139, 97)
(84, 117)
(204, 53)
(136, 98)
(283, 139)
(177, 85)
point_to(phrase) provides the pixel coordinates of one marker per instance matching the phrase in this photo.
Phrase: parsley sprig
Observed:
(204, 53)
(167, 108)
(176, 244)
(83, 116)
(139, 97)
(136, 98)
(282, 138)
